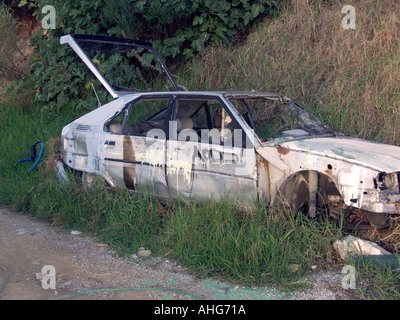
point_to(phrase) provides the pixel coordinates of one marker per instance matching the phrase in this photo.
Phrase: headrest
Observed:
(184, 123)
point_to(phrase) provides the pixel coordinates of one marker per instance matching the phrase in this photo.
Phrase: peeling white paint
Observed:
(350, 165)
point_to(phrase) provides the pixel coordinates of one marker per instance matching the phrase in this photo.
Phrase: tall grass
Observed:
(378, 284)
(349, 78)
(20, 130)
(257, 248)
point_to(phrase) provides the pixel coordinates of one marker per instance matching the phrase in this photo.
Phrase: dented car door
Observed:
(133, 158)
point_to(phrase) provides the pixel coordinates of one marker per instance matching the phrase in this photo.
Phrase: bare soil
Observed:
(86, 269)
(81, 265)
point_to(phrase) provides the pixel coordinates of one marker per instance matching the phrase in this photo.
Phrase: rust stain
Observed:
(129, 168)
(329, 169)
(264, 169)
(281, 150)
(266, 164)
(397, 206)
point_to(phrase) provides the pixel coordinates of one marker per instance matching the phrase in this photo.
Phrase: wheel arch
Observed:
(295, 189)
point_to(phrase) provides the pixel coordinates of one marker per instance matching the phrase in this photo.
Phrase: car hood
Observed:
(377, 156)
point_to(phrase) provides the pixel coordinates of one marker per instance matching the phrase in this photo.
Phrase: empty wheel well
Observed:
(295, 190)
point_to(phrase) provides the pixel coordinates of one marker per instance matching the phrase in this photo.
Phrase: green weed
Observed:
(253, 249)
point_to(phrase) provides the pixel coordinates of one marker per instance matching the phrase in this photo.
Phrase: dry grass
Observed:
(52, 148)
(389, 238)
(349, 78)
(11, 58)
(14, 57)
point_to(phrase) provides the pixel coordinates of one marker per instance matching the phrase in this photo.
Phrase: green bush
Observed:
(179, 29)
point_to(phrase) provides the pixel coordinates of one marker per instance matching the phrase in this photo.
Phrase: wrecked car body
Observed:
(249, 146)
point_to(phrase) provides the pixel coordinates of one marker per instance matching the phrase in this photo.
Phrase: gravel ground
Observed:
(86, 269)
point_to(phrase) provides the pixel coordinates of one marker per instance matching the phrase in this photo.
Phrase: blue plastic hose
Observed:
(33, 156)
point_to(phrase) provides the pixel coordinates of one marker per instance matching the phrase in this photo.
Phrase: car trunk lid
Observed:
(83, 43)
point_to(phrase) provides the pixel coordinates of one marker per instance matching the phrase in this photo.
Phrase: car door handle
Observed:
(109, 143)
(223, 156)
(230, 157)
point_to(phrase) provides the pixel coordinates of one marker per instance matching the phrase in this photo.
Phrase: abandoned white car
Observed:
(249, 146)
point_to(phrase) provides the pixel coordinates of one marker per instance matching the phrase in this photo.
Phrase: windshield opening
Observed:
(277, 118)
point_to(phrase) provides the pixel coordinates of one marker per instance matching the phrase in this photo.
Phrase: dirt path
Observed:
(85, 269)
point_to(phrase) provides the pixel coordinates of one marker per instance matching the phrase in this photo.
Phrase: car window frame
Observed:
(127, 109)
(206, 98)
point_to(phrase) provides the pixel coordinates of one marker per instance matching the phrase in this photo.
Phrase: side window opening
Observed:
(142, 116)
(268, 118)
(115, 124)
(206, 119)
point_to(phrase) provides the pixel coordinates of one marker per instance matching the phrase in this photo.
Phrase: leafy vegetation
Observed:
(179, 29)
